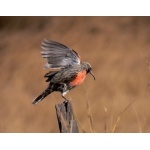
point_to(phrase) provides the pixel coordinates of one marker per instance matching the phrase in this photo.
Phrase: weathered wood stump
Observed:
(66, 119)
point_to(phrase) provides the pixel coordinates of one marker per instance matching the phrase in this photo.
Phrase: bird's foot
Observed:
(66, 101)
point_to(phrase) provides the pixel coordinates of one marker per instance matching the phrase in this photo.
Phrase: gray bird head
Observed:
(88, 68)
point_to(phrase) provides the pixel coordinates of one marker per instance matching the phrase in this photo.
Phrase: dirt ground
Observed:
(118, 48)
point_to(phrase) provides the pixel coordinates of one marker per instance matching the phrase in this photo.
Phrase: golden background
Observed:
(118, 48)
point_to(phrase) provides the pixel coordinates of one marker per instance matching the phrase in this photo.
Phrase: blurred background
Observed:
(118, 48)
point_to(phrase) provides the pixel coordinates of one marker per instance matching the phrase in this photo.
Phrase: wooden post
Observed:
(66, 119)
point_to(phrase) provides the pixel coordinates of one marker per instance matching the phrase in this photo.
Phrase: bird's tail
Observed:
(42, 96)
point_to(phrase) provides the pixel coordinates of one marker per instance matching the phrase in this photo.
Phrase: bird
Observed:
(66, 69)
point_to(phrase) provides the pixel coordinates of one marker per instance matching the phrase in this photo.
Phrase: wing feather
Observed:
(58, 55)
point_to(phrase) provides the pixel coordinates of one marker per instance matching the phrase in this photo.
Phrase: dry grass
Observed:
(90, 118)
(119, 117)
(116, 124)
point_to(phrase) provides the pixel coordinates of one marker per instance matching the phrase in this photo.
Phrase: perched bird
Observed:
(71, 71)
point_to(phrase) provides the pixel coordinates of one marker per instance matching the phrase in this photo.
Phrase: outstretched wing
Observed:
(58, 55)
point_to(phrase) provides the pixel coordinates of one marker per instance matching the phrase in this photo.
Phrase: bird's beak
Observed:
(92, 74)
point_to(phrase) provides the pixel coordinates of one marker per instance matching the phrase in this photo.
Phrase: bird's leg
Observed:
(65, 102)
(64, 99)
(64, 92)
(63, 96)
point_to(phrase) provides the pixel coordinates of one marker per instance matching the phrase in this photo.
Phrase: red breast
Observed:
(79, 78)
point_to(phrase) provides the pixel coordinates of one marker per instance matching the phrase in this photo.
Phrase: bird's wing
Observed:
(58, 55)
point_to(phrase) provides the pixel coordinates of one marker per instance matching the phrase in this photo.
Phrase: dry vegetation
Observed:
(118, 49)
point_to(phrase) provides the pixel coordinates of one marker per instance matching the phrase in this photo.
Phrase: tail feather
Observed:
(42, 96)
